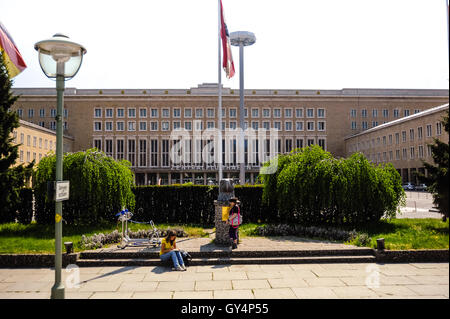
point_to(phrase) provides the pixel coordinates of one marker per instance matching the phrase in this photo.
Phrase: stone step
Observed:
(228, 261)
(230, 254)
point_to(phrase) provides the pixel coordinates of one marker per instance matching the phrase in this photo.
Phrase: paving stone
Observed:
(324, 282)
(354, 292)
(232, 275)
(213, 268)
(430, 265)
(166, 276)
(340, 273)
(236, 294)
(396, 280)
(276, 268)
(192, 276)
(27, 295)
(193, 295)
(153, 295)
(314, 293)
(245, 268)
(213, 285)
(29, 286)
(430, 290)
(138, 286)
(127, 277)
(111, 295)
(250, 284)
(263, 274)
(78, 295)
(383, 291)
(430, 280)
(287, 283)
(143, 270)
(277, 293)
(176, 286)
(100, 286)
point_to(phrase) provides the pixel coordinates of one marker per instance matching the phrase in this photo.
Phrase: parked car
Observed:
(408, 187)
(421, 187)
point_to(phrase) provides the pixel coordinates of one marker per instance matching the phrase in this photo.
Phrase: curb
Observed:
(35, 260)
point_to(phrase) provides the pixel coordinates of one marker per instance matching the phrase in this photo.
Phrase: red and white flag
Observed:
(228, 64)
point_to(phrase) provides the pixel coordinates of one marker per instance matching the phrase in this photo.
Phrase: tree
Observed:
(437, 179)
(12, 178)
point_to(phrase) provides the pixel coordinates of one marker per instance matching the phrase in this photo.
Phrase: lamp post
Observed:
(59, 59)
(241, 39)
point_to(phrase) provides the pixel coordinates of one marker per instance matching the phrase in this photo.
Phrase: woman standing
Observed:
(169, 251)
(234, 220)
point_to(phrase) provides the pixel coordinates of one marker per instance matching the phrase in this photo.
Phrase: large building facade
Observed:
(137, 124)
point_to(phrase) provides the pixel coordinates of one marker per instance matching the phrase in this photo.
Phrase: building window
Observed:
(363, 113)
(165, 113)
(310, 126)
(165, 153)
(108, 126)
(154, 153)
(406, 112)
(31, 113)
(429, 152)
(232, 124)
(390, 139)
(132, 152)
(310, 113)
(98, 144)
(232, 113)
(374, 113)
(42, 113)
(396, 113)
(405, 153)
(321, 126)
(121, 113)
(384, 140)
(277, 125)
(321, 142)
(131, 126)
(411, 134)
(20, 112)
(391, 156)
(210, 124)
(153, 126)
(374, 123)
(439, 128)
(277, 113)
(429, 132)
(142, 153)
(288, 145)
(403, 136)
(97, 113)
(109, 113)
(97, 126)
(353, 113)
(120, 126)
(42, 124)
(109, 147)
(176, 125)
(416, 111)
(420, 151)
(288, 113)
(154, 113)
(299, 143)
(310, 141)
(419, 133)
(53, 112)
(176, 112)
(66, 113)
(142, 126)
(255, 113)
(198, 113)
(165, 126)
(245, 112)
(255, 125)
(353, 125)
(385, 113)
(321, 113)
(210, 113)
(397, 138)
(188, 125)
(266, 125)
(412, 152)
(397, 154)
(288, 126)
(132, 113)
(299, 113)
(364, 125)
(143, 112)
(188, 113)
(266, 113)
(120, 150)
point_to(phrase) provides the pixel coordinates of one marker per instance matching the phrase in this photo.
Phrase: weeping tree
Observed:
(99, 187)
(12, 177)
(437, 178)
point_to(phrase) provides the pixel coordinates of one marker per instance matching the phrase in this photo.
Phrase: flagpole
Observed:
(219, 150)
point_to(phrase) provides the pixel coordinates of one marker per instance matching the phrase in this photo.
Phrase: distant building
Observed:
(136, 124)
(403, 142)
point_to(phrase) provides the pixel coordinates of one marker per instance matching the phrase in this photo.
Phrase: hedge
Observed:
(25, 207)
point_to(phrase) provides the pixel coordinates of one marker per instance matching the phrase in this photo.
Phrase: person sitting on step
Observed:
(169, 251)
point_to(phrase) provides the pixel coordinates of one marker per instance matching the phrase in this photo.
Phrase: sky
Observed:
(300, 44)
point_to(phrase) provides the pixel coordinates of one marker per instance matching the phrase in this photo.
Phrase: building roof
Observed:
(403, 119)
(40, 128)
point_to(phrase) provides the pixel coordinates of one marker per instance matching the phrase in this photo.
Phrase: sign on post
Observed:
(62, 191)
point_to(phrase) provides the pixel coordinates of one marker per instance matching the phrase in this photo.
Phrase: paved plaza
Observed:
(295, 281)
(419, 205)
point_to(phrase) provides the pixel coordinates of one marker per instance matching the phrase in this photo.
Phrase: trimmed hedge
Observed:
(25, 207)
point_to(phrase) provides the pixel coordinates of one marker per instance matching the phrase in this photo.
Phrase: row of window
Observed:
(108, 126)
(385, 113)
(210, 112)
(37, 143)
(28, 158)
(158, 150)
(389, 155)
(42, 113)
(389, 139)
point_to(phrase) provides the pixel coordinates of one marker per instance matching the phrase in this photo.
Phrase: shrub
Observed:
(312, 187)
(99, 188)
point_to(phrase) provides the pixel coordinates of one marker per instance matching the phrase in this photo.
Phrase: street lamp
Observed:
(59, 59)
(241, 39)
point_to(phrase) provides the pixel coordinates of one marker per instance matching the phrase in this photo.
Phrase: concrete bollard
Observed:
(69, 247)
(380, 244)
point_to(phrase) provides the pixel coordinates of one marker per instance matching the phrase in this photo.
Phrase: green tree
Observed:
(99, 187)
(12, 178)
(437, 179)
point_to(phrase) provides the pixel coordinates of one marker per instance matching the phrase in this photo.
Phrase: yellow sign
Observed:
(58, 218)
(225, 213)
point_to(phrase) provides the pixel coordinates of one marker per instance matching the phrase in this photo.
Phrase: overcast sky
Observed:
(300, 44)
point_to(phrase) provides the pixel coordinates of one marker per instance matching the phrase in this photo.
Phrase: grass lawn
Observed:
(399, 234)
(34, 238)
